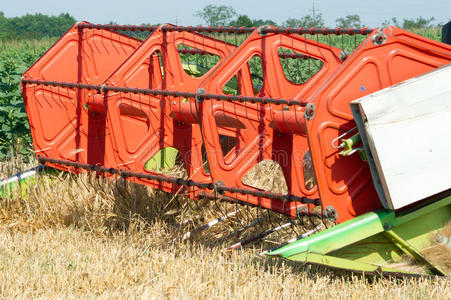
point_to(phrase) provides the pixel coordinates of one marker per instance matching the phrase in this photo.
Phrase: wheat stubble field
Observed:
(72, 237)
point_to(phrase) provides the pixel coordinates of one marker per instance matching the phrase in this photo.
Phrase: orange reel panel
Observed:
(385, 58)
(264, 132)
(143, 125)
(62, 126)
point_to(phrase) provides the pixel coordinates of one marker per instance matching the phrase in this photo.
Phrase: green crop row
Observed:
(15, 59)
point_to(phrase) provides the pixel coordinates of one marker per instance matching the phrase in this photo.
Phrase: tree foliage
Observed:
(350, 21)
(34, 26)
(309, 21)
(15, 58)
(214, 15)
(417, 23)
(244, 20)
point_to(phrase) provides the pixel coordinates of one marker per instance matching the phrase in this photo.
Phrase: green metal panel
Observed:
(364, 240)
(344, 264)
(338, 236)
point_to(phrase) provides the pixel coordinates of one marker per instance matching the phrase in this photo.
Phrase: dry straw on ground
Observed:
(71, 237)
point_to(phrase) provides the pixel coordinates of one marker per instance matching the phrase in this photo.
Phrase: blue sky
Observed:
(372, 13)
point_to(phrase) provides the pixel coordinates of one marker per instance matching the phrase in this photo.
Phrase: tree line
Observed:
(34, 26)
(221, 15)
(38, 25)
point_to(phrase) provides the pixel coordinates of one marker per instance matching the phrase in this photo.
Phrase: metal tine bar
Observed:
(117, 27)
(257, 237)
(239, 217)
(231, 29)
(206, 226)
(22, 175)
(311, 213)
(123, 173)
(186, 222)
(300, 237)
(281, 55)
(156, 92)
(244, 228)
(179, 181)
(294, 227)
(218, 208)
(294, 55)
(277, 221)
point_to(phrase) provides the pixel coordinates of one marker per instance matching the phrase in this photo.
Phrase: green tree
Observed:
(315, 19)
(244, 20)
(350, 21)
(34, 26)
(2, 25)
(214, 15)
(394, 21)
(261, 22)
(419, 22)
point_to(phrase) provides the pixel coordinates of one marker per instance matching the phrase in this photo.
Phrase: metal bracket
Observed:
(301, 210)
(218, 187)
(344, 55)
(379, 38)
(260, 30)
(310, 110)
(200, 95)
(102, 88)
(331, 213)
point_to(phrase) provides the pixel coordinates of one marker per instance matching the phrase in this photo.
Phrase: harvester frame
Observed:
(103, 101)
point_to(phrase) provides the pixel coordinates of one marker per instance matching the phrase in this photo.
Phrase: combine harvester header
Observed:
(223, 101)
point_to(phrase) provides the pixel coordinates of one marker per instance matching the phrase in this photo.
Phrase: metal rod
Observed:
(156, 92)
(230, 29)
(124, 173)
(22, 175)
(193, 51)
(208, 225)
(281, 55)
(323, 31)
(117, 27)
(294, 55)
(179, 181)
(300, 237)
(242, 229)
(185, 222)
(257, 237)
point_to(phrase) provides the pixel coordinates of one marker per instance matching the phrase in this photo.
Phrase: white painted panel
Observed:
(408, 131)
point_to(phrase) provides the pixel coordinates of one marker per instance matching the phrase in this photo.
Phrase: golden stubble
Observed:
(81, 236)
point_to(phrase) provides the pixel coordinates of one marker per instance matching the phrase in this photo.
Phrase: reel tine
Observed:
(186, 222)
(257, 237)
(244, 228)
(300, 237)
(189, 234)
(277, 220)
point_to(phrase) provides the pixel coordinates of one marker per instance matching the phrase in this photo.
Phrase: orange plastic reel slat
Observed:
(61, 124)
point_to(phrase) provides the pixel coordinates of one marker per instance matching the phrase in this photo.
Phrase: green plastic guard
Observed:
(370, 241)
